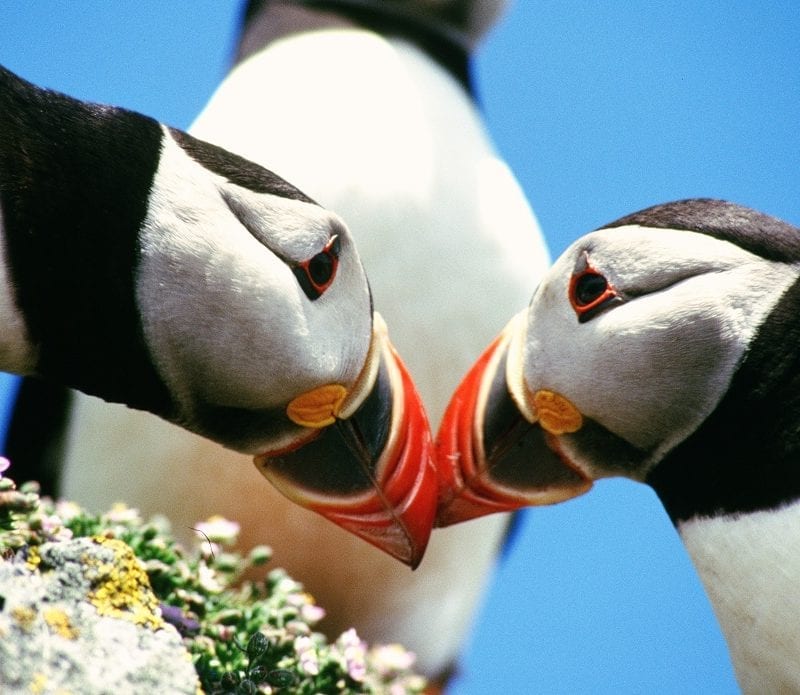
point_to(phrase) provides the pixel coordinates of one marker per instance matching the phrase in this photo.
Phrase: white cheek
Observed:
(665, 374)
(225, 319)
(652, 369)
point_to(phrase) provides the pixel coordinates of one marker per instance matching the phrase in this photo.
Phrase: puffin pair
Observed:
(368, 107)
(662, 347)
(146, 267)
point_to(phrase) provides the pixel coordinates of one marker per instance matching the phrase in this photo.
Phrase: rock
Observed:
(79, 616)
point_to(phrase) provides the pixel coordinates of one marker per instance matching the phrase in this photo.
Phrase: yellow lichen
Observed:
(25, 616)
(34, 559)
(38, 684)
(59, 622)
(122, 589)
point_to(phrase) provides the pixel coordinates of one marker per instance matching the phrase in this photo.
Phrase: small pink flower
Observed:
(349, 638)
(357, 669)
(218, 529)
(53, 526)
(67, 510)
(50, 523)
(306, 608)
(122, 514)
(208, 579)
(392, 658)
(63, 534)
(312, 613)
(210, 549)
(307, 655)
(4, 464)
(354, 651)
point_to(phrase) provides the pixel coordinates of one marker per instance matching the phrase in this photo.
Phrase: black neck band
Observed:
(74, 185)
(267, 20)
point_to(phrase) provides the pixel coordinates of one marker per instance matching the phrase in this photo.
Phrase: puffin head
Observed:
(257, 314)
(630, 343)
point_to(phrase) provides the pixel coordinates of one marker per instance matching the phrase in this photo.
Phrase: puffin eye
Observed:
(317, 273)
(589, 287)
(589, 293)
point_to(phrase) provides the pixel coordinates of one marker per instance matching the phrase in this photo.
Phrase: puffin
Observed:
(663, 348)
(150, 269)
(370, 108)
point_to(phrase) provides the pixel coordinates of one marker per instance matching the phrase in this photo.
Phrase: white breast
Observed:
(750, 566)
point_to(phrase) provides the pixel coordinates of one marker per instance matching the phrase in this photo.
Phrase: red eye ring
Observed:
(316, 274)
(590, 292)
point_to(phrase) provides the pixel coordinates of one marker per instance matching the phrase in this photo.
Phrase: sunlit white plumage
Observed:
(748, 565)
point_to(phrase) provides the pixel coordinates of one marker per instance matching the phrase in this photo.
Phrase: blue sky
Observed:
(601, 109)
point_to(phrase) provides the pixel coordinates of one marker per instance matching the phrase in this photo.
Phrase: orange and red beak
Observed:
(370, 471)
(496, 454)
(369, 464)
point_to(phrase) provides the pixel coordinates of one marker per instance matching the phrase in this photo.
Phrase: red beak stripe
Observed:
(463, 493)
(399, 517)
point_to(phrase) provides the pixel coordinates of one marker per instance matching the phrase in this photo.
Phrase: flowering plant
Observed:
(243, 636)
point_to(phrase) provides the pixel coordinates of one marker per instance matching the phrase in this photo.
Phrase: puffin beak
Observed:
(367, 464)
(498, 447)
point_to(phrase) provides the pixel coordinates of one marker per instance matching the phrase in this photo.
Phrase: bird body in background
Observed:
(366, 106)
(664, 348)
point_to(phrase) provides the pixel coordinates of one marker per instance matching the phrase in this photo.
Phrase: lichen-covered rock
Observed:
(79, 616)
(79, 612)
